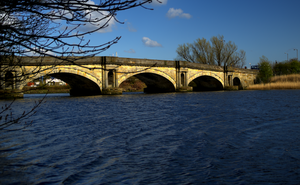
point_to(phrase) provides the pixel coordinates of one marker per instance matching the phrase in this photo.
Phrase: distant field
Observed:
(279, 82)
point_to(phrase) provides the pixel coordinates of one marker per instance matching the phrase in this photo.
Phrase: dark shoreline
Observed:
(45, 91)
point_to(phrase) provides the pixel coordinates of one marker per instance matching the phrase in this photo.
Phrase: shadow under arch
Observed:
(81, 83)
(237, 82)
(206, 83)
(80, 86)
(156, 83)
(9, 79)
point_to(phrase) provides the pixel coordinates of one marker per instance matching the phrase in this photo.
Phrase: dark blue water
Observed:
(241, 137)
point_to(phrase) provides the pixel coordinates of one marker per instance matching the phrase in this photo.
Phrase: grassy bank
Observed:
(279, 82)
(47, 89)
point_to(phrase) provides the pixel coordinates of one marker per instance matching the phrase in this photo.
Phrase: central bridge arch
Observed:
(155, 80)
(81, 82)
(207, 82)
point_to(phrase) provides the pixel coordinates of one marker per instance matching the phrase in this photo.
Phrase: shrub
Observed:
(265, 69)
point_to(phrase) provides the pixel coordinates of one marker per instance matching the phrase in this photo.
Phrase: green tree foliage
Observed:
(280, 69)
(294, 67)
(265, 69)
(285, 68)
(215, 52)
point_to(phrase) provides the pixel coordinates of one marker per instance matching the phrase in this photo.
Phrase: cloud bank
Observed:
(150, 43)
(172, 13)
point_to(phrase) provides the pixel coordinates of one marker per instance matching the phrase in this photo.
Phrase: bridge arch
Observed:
(237, 81)
(81, 82)
(156, 80)
(207, 81)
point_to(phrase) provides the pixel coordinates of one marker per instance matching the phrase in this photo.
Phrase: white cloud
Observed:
(151, 43)
(106, 18)
(130, 27)
(161, 2)
(88, 27)
(130, 51)
(172, 13)
(37, 52)
(103, 17)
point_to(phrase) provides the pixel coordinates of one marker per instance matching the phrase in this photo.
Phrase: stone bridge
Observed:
(103, 75)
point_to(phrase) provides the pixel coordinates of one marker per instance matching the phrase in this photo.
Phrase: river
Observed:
(225, 137)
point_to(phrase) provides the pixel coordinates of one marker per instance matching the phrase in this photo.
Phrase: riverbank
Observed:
(47, 89)
(279, 82)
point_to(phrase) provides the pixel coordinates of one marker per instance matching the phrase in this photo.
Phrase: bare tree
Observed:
(238, 59)
(218, 52)
(225, 54)
(202, 51)
(43, 28)
(184, 52)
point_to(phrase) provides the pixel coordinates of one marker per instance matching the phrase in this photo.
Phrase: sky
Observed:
(259, 27)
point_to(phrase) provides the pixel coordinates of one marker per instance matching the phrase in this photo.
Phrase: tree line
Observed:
(267, 69)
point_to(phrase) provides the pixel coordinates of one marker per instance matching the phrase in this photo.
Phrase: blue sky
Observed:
(260, 27)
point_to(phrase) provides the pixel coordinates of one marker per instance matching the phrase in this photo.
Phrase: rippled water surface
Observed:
(241, 137)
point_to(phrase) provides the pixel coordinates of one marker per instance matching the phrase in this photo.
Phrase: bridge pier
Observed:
(184, 89)
(228, 76)
(110, 76)
(229, 83)
(112, 91)
(9, 88)
(182, 80)
(110, 85)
